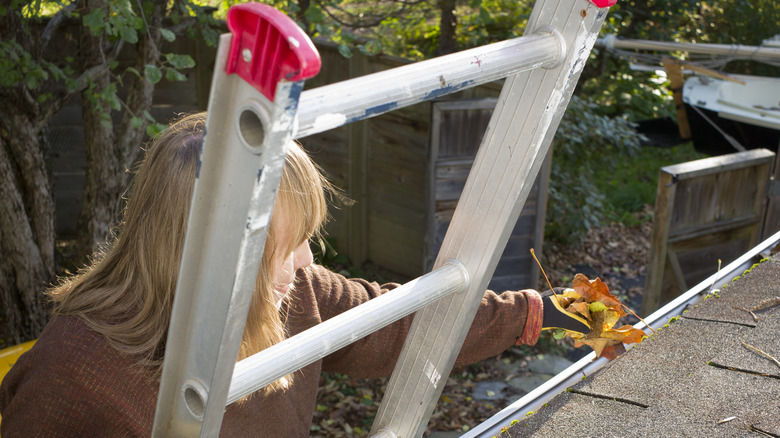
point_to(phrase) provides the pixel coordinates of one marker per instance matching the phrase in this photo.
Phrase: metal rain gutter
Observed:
(535, 399)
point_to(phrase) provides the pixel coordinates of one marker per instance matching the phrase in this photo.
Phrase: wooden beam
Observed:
(674, 71)
(664, 201)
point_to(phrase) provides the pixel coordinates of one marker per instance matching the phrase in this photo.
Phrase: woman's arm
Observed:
(501, 321)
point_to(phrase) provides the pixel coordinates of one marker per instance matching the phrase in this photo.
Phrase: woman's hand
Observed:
(555, 317)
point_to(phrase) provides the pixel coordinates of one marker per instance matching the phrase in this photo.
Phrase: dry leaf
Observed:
(593, 301)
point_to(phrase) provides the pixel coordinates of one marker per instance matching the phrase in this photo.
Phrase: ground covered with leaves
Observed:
(616, 253)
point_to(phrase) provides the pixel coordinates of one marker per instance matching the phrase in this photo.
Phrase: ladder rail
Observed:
(330, 106)
(512, 151)
(248, 130)
(294, 353)
(211, 305)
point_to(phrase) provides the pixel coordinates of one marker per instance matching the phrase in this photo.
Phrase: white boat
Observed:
(756, 101)
(727, 115)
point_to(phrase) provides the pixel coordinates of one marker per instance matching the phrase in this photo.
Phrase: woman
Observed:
(95, 369)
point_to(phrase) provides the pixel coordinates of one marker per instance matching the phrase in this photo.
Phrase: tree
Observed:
(35, 82)
(415, 29)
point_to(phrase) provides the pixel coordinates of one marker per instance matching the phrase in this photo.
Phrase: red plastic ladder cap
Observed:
(268, 47)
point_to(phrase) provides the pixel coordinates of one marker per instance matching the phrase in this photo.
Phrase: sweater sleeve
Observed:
(502, 320)
(72, 384)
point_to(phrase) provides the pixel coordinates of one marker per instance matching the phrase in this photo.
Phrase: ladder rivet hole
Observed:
(247, 55)
(251, 128)
(195, 398)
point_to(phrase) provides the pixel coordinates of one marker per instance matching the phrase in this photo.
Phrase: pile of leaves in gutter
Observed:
(616, 253)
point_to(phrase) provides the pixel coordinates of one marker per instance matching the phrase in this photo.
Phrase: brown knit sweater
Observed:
(73, 384)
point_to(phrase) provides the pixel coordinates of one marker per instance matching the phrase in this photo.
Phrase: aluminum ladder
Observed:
(256, 108)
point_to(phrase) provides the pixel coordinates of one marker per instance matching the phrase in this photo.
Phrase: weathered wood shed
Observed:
(405, 171)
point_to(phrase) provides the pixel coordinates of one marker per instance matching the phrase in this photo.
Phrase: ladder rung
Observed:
(331, 106)
(259, 370)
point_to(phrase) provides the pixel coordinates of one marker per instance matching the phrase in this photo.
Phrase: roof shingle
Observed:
(687, 378)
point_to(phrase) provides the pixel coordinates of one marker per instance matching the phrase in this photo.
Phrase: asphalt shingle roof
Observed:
(694, 377)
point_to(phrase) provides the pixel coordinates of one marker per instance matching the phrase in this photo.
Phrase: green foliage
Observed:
(115, 21)
(173, 62)
(206, 27)
(633, 184)
(626, 93)
(419, 31)
(585, 144)
(152, 73)
(118, 19)
(483, 22)
(153, 129)
(18, 66)
(601, 173)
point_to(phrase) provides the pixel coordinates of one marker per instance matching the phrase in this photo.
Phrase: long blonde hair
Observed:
(126, 293)
(301, 196)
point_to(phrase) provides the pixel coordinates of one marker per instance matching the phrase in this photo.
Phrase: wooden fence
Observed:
(706, 210)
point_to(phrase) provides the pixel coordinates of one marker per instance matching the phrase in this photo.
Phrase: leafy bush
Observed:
(586, 144)
(626, 93)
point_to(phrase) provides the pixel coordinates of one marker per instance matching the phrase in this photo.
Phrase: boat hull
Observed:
(749, 113)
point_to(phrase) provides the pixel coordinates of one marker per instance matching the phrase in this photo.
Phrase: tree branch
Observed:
(182, 25)
(53, 25)
(53, 106)
(146, 26)
(361, 22)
